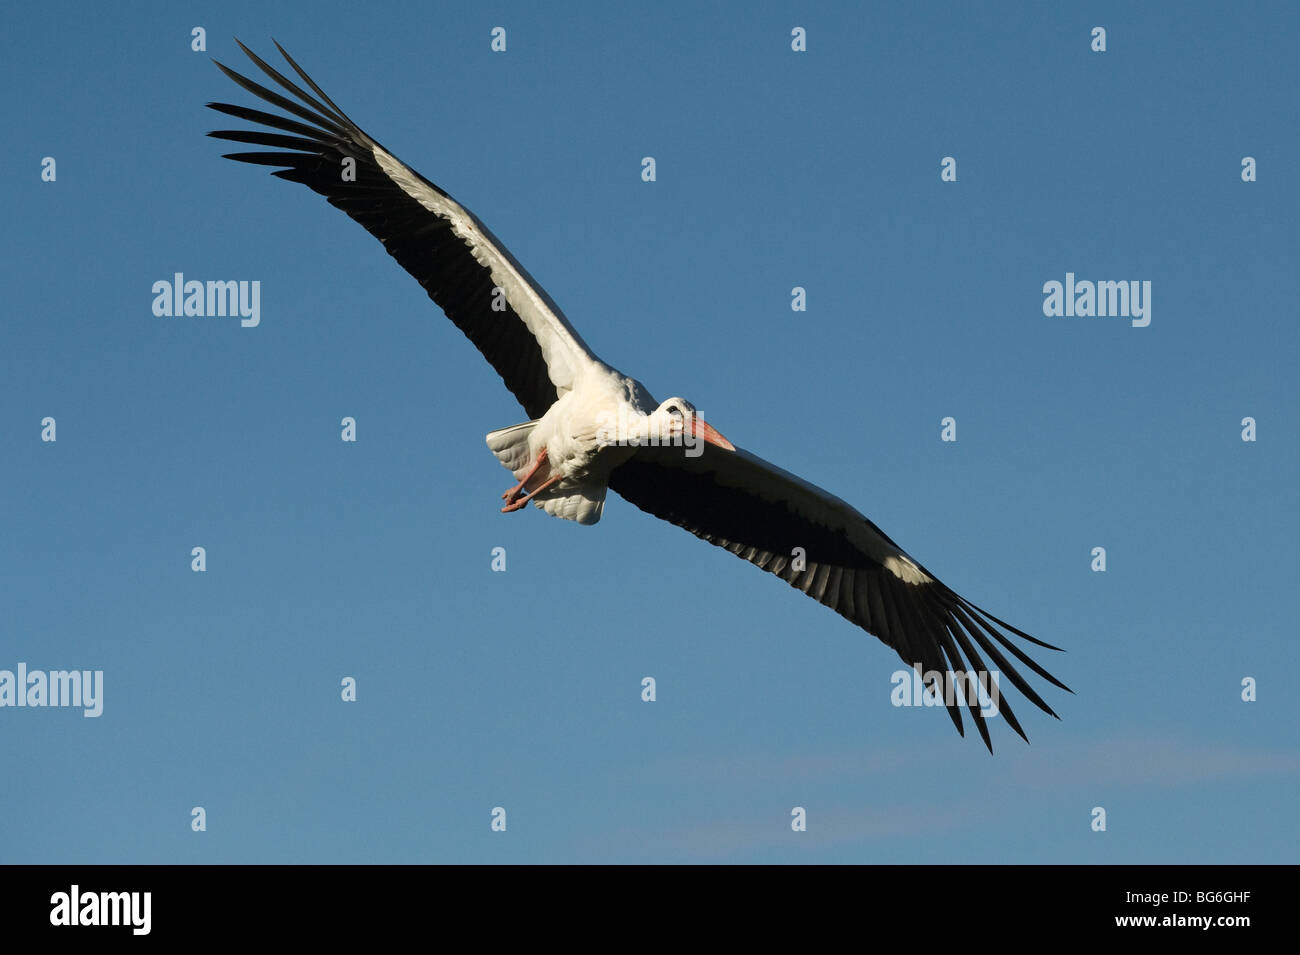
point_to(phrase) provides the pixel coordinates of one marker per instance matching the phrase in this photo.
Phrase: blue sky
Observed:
(521, 689)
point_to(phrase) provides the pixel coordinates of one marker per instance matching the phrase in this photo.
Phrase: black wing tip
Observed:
(252, 56)
(247, 51)
(973, 619)
(1056, 683)
(1045, 645)
(1006, 626)
(234, 75)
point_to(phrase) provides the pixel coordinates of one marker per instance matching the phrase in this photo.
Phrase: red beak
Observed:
(702, 429)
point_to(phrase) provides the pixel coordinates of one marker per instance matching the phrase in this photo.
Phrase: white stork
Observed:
(593, 428)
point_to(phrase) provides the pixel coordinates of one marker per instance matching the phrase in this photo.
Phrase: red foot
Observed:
(516, 505)
(519, 488)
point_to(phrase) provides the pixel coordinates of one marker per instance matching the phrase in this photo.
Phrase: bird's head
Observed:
(675, 421)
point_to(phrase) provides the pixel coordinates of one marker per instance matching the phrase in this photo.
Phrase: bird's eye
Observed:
(675, 410)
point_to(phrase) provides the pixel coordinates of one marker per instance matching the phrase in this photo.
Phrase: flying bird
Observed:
(592, 428)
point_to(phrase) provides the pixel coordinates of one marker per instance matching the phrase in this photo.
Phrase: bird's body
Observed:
(592, 428)
(580, 448)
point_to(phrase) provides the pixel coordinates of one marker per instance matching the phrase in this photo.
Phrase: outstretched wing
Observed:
(761, 513)
(460, 263)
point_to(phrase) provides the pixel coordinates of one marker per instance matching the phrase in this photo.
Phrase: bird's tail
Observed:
(510, 445)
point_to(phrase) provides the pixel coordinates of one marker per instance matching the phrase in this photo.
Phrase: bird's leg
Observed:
(519, 488)
(517, 504)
